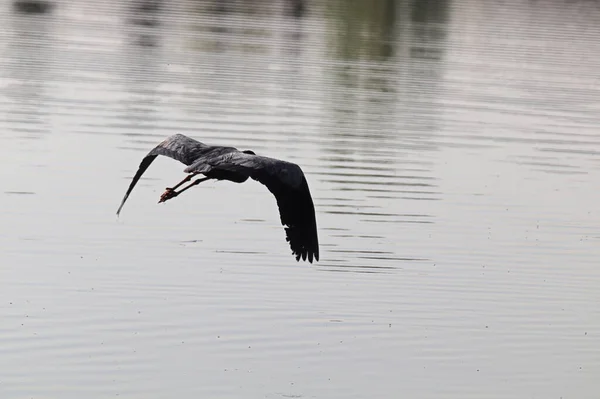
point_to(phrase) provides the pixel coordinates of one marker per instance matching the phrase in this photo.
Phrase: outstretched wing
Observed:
(286, 181)
(179, 147)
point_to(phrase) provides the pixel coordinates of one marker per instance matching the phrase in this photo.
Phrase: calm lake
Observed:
(452, 150)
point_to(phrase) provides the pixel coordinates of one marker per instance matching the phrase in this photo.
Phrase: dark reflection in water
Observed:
(28, 72)
(384, 108)
(141, 74)
(144, 16)
(33, 6)
(19, 192)
(388, 77)
(430, 20)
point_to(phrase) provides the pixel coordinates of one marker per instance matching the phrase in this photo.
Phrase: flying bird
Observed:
(285, 180)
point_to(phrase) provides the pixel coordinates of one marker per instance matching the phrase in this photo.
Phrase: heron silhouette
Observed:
(285, 180)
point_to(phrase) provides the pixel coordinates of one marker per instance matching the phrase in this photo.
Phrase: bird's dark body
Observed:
(226, 175)
(285, 181)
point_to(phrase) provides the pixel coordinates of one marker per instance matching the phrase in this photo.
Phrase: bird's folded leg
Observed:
(171, 193)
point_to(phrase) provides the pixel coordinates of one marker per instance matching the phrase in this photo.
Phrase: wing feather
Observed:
(179, 147)
(286, 181)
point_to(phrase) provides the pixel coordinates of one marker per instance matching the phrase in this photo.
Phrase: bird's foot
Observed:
(168, 194)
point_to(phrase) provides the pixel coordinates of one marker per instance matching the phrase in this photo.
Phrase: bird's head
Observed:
(249, 152)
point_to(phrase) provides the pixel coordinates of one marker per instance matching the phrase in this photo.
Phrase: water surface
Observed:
(453, 157)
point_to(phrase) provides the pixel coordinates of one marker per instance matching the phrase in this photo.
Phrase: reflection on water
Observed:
(27, 73)
(141, 104)
(451, 149)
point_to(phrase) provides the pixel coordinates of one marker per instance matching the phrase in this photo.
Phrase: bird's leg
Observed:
(187, 179)
(171, 193)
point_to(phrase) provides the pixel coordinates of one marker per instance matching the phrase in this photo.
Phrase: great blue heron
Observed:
(284, 180)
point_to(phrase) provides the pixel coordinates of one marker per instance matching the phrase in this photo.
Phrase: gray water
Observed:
(452, 152)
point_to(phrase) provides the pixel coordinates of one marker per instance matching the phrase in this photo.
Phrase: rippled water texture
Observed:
(453, 154)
